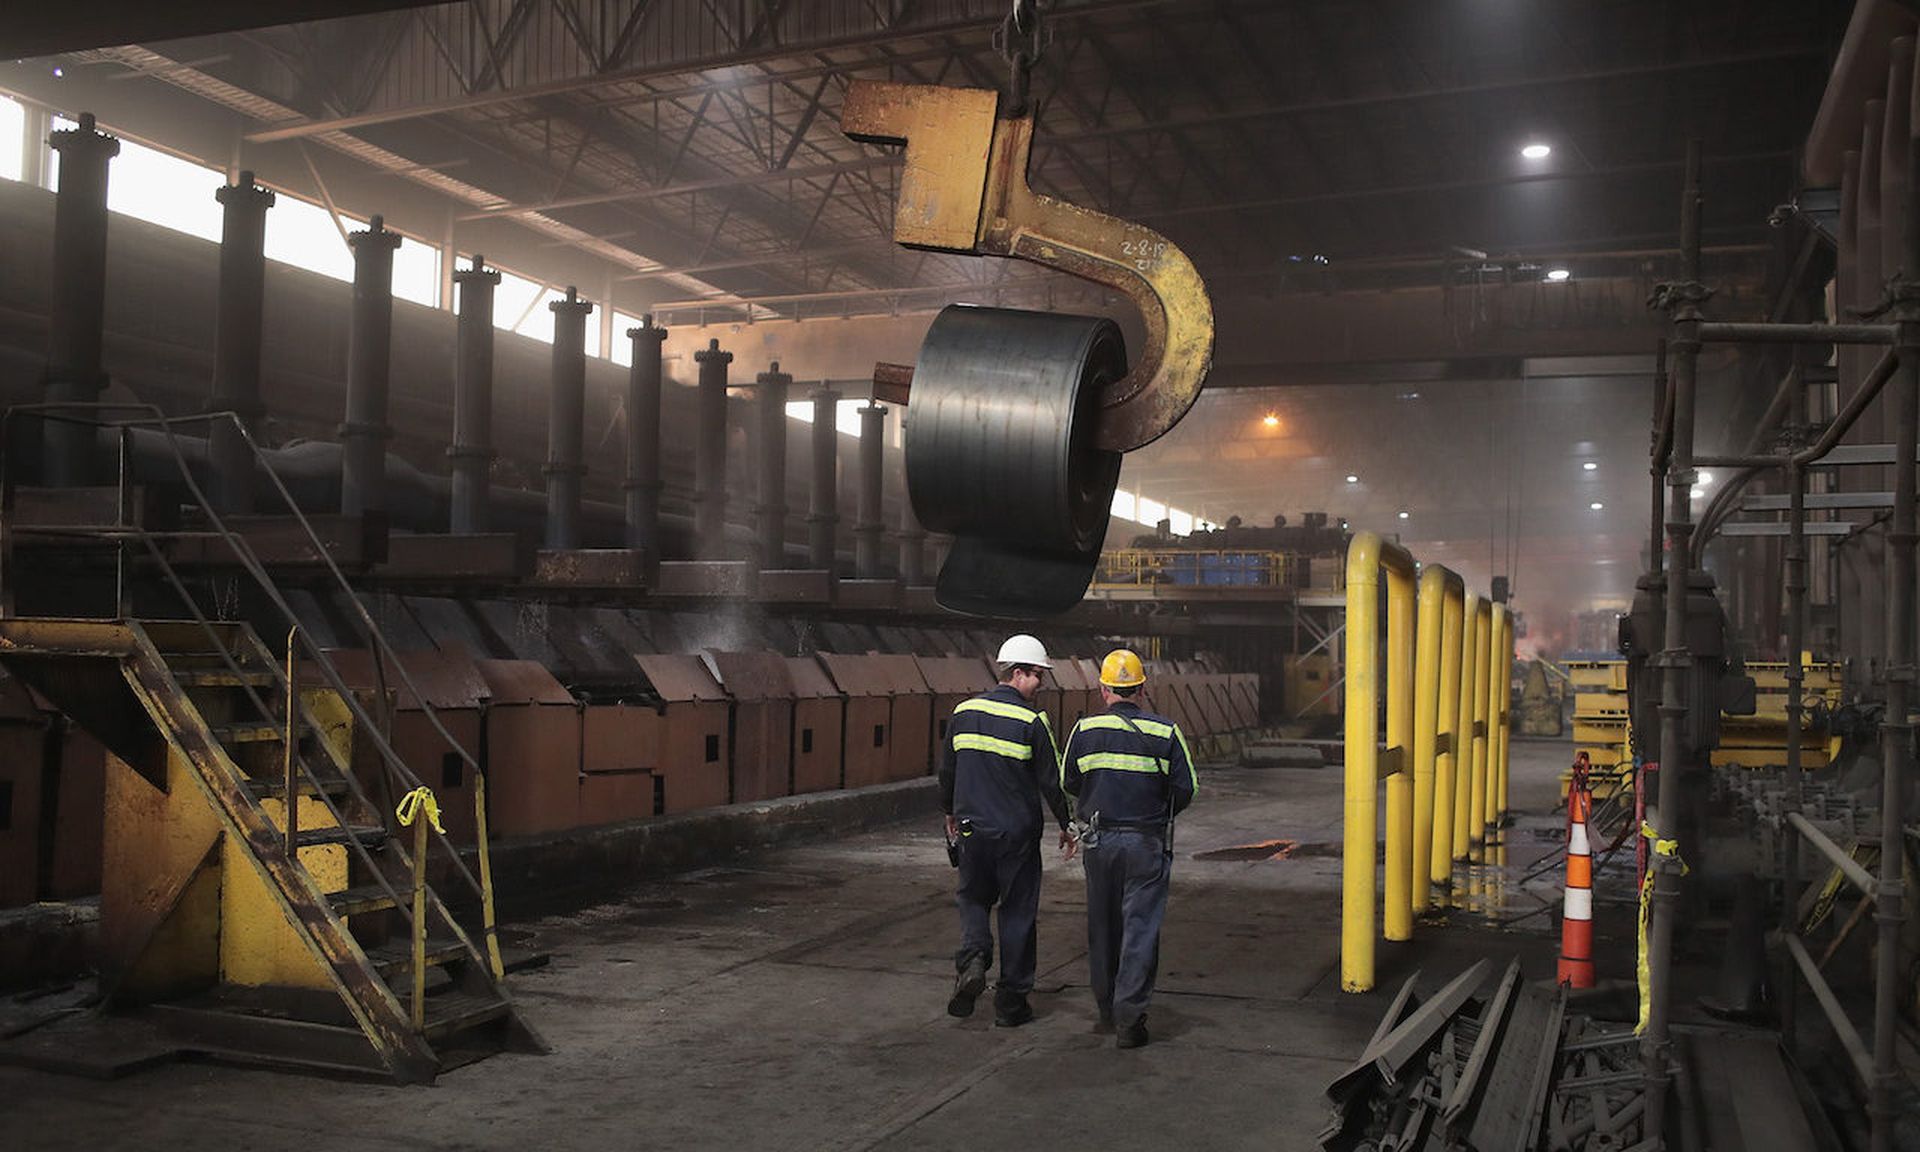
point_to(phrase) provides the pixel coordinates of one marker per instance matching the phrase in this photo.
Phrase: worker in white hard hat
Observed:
(1129, 773)
(999, 764)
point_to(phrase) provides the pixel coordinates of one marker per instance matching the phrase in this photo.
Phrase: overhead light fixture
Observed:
(1403, 515)
(1536, 151)
(1588, 466)
(1352, 479)
(1596, 506)
(1558, 275)
(1270, 420)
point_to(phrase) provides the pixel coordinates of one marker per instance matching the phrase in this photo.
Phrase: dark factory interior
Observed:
(883, 574)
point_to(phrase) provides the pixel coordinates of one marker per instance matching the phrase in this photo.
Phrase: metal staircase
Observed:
(216, 722)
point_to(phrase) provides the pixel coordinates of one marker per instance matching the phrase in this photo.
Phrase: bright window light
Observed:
(1180, 523)
(416, 271)
(623, 348)
(13, 137)
(801, 410)
(1123, 504)
(1706, 478)
(1537, 151)
(165, 190)
(511, 300)
(1151, 511)
(304, 235)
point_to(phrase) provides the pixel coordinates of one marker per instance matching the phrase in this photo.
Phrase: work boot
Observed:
(1010, 1009)
(967, 986)
(1133, 1035)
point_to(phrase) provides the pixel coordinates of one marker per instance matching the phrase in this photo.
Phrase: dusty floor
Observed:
(795, 999)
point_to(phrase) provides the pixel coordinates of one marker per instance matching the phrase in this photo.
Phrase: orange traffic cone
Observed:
(1576, 921)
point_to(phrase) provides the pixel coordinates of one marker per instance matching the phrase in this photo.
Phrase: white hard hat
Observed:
(1023, 649)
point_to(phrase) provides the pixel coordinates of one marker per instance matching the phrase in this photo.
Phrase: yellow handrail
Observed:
(1367, 556)
(1444, 763)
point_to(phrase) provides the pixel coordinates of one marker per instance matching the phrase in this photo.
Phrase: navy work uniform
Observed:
(1000, 762)
(1129, 773)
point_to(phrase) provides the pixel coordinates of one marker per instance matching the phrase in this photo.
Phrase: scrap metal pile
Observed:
(1477, 1071)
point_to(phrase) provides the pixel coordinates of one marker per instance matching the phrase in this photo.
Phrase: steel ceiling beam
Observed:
(46, 29)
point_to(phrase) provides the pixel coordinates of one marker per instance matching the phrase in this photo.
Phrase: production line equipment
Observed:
(1016, 420)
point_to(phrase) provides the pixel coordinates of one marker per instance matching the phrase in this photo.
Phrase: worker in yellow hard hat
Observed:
(1130, 774)
(1000, 763)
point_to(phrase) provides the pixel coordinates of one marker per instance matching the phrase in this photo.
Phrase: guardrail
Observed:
(1201, 568)
(1444, 759)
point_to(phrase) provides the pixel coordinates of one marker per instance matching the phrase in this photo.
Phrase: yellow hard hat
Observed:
(1121, 669)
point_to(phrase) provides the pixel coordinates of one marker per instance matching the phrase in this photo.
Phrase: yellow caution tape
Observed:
(1660, 848)
(413, 803)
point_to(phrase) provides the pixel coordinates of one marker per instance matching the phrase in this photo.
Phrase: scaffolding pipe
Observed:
(772, 455)
(472, 452)
(710, 453)
(364, 435)
(236, 341)
(1683, 300)
(642, 485)
(823, 512)
(566, 420)
(76, 320)
(868, 529)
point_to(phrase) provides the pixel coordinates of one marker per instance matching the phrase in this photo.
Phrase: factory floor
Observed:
(796, 999)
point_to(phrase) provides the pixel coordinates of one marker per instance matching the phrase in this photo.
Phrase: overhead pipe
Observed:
(1662, 448)
(643, 439)
(771, 453)
(237, 339)
(76, 322)
(472, 451)
(566, 420)
(823, 512)
(363, 438)
(710, 453)
(868, 529)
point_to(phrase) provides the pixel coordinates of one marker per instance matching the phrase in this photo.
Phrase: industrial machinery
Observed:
(1016, 421)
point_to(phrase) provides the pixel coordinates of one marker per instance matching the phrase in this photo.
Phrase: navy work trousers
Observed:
(1003, 871)
(1127, 873)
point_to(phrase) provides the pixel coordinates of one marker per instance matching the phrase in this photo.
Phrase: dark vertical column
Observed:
(643, 438)
(74, 370)
(237, 327)
(772, 453)
(566, 420)
(472, 450)
(823, 512)
(868, 529)
(710, 454)
(363, 438)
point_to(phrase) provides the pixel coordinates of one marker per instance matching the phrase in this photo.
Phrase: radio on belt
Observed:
(1016, 420)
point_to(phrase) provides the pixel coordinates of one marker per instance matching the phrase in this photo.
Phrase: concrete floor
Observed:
(795, 999)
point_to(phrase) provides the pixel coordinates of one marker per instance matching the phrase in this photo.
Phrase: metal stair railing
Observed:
(382, 651)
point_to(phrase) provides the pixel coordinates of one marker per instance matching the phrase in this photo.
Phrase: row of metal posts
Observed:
(1674, 462)
(1449, 660)
(75, 372)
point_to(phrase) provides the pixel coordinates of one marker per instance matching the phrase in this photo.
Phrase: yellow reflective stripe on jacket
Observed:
(1119, 723)
(1121, 762)
(996, 708)
(975, 742)
(1193, 773)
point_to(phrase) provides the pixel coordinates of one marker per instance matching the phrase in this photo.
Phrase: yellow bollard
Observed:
(1446, 740)
(1472, 609)
(1477, 785)
(1367, 555)
(1397, 923)
(1496, 667)
(1439, 598)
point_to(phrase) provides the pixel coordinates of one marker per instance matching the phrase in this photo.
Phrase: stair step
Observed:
(452, 1012)
(396, 956)
(247, 733)
(369, 835)
(223, 678)
(364, 898)
(336, 787)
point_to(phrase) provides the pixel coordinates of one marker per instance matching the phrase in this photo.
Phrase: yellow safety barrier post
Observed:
(418, 810)
(1367, 556)
(1503, 731)
(486, 877)
(1482, 693)
(1489, 754)
(1436, 665)
(1473, 610)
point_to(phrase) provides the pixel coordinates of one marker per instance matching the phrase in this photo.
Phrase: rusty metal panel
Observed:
(901, 675)
(867, 595)
(22, 750)
(761, 764)
(445, 556)
(679, 678)
(590, 568)
(857, 675)
(520, 682)
(620, 738)
(795, 586)
(819, 726)
(694, 755)
(624, 630)
(519, 629)
(533, 768)
(616, 797)
(810, 681)
(752, 675)
(81, 811)
(704, 578)
(448, 624)
(955, 675)
(868, 754)
(446, 680)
